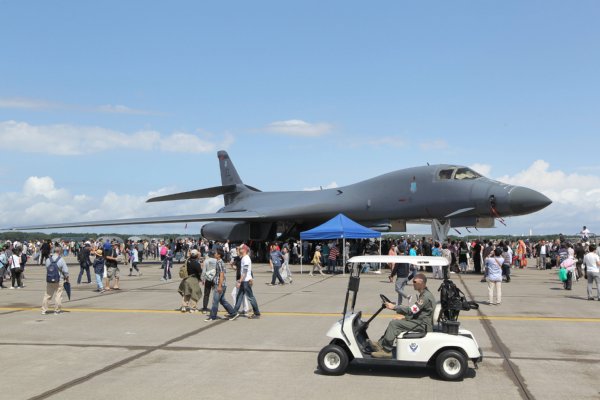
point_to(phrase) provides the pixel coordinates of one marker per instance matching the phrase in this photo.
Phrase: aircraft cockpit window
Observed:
(466, 173)
(446, 174)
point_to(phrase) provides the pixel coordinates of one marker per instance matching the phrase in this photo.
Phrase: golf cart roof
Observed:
(414, 260)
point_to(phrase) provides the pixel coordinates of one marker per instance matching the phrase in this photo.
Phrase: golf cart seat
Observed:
(412, 335)
(419, 335)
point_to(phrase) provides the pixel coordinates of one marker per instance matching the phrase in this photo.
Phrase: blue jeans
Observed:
(245, 289)
(331, 264)
(219, 298)
(277, 275)
(167, 271)
(99, 281)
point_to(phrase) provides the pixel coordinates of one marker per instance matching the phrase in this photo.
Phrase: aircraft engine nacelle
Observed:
(379, 226)
(386, 225)
(475, 222)
(235, 231)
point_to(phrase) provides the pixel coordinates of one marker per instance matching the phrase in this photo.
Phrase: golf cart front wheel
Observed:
(451, 365)
(333, 360)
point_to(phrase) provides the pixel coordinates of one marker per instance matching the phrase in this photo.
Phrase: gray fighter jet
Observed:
(445, 196)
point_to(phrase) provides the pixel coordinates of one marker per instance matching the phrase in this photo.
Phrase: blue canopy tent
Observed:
(339, 227)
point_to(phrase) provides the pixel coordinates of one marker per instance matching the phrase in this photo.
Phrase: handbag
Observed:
(562, 274)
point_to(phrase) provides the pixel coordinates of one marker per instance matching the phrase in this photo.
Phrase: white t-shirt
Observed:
(16, 262)
(543, 250)
(247, 268)
(134, 256)
(590, 261)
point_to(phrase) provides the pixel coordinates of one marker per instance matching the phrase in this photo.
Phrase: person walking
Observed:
(209, 270)
(403, 273)
(84, 262)
(15, 267)
(167, 263)
(220, 287)
(275, 260)
(45, 251)
(244, 286)
(99, 268)
(111, 260)
(236, 263)
(56, 268)
(4, 266)
(134, 256)
(316, 261)
(591, 262)
(189, 288)
(285, 267)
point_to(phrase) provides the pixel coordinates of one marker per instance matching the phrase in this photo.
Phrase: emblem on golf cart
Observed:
(414, 347)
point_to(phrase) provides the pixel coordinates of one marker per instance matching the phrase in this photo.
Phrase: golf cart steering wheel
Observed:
(384, 299)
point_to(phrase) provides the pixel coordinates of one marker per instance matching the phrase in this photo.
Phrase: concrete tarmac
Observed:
(540, 343)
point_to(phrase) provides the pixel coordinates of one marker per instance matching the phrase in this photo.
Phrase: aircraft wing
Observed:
(222, 216)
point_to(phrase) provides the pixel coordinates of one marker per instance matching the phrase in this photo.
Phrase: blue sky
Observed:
(103, 104)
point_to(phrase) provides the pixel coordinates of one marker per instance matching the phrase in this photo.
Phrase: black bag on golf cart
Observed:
(453, 301)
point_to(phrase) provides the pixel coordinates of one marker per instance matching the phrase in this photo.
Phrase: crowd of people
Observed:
(204, 264)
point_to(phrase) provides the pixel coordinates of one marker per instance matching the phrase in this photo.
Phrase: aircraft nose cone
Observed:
(524, 201)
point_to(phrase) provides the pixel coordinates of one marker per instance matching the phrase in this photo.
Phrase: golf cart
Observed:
(448, 347)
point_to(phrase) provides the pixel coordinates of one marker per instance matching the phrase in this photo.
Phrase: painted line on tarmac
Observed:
(6, 310)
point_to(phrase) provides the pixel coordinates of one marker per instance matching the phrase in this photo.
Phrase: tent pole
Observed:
(380, 252)
(301, 256)
(344, 257)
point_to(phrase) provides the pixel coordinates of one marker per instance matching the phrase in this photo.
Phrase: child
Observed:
(99, 270)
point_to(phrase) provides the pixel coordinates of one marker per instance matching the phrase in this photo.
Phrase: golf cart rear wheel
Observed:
(451, 365)
(333, 360)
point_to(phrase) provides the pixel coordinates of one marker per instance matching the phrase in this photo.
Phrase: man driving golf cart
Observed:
(414, 318)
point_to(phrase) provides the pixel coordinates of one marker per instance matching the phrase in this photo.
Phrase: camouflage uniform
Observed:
(419, 318)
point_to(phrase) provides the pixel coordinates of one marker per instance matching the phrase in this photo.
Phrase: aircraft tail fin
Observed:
(230, 188)
(229, 175)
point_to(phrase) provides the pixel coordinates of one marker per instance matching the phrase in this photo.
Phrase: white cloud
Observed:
(42, 105)
(438, 144)
(188, 143)
(332, 185)
(385, 141)
(120, 109)
(297, 127)
(65, 139)
(483, 169)
(41, 202)
(28, 104)
(575, 197)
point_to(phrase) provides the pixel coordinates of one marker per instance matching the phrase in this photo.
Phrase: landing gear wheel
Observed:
(451, 365)
(333, 360)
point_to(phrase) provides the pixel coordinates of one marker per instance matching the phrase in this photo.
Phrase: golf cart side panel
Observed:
(423, 349)
(469, 335)
(335, 332)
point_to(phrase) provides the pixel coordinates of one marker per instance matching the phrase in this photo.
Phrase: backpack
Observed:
(453, 301)
(210, 274)
(52, 271)
(183, 271)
